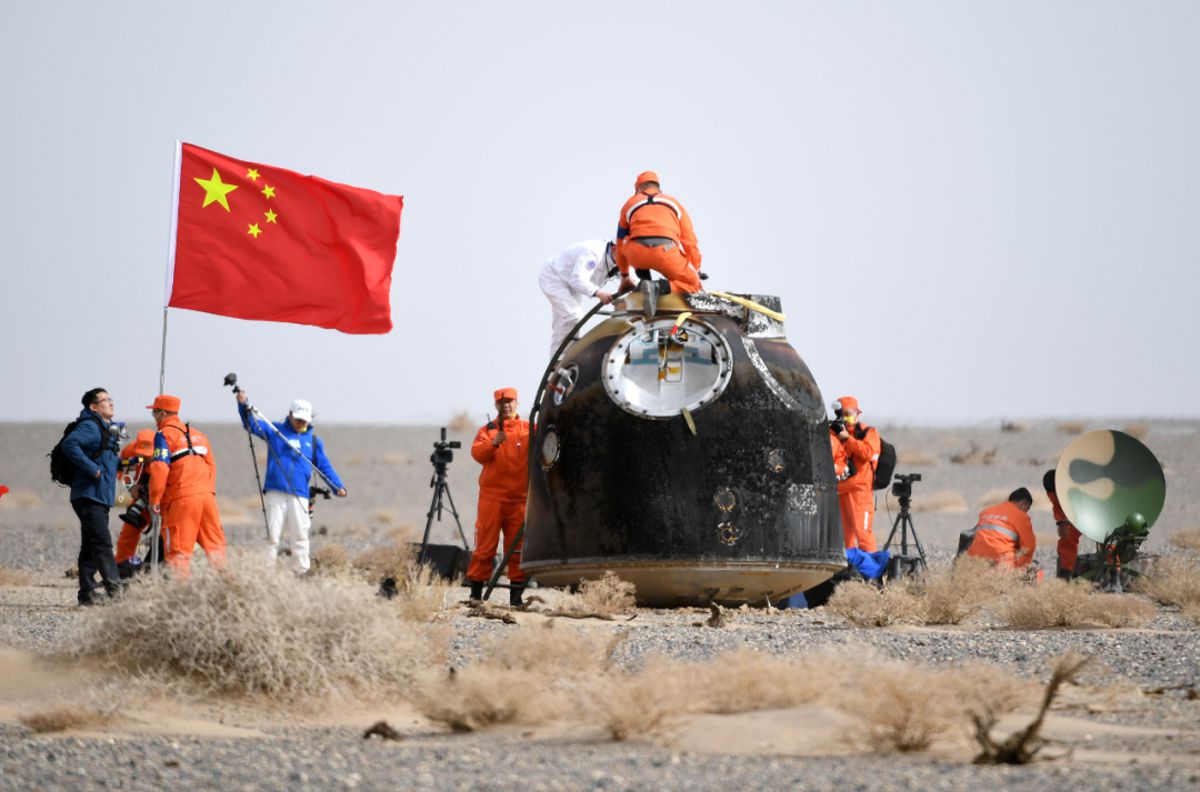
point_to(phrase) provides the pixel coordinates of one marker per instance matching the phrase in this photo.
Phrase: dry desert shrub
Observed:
(1013, 426)
(915, 459)
(944, 501)
(1072, 427)
(421, 593)
(636, 703)
(867, 605)
(461, 422)
(15, 577)
(1186, 539)
(1137, 431)
(62, 719)
(391, 560)
(1060, 603)
(604, 598)
(1173, 580)
(975, 456)
(903, 710)
(330, 560)
(249, 632)
(536, 674)
(952, 593)
(20, 499)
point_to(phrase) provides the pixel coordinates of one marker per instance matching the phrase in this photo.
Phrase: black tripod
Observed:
(902, 489)
(441, 458)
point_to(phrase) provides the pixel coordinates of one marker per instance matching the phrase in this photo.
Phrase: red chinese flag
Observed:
(257, 242)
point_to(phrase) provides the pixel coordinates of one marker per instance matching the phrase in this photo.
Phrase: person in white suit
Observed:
(573, 276)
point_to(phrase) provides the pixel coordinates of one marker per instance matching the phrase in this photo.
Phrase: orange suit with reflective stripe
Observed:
(502, 488)
(186, 487)
(1004, 534)
(662, 216)
(142, 446)
(856, 494)
(1068, 537)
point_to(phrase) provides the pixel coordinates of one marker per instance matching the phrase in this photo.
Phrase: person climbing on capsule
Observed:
(655, 232)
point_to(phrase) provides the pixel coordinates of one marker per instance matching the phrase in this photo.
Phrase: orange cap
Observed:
(849, 403)
(645, 176)
(506, 393)
(165, 402)
(144, 443)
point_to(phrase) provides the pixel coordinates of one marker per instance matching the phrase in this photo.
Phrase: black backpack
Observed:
(62, 469)
(886, 465)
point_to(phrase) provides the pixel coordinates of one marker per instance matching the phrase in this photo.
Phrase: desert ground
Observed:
(250, 680)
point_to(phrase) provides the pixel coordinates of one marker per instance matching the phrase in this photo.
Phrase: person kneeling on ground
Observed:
(1004, 533)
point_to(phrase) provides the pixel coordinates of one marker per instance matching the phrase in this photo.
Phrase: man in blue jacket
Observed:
(93, 450)
(293, 451)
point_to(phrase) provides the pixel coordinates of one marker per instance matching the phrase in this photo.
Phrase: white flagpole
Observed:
(162, 365)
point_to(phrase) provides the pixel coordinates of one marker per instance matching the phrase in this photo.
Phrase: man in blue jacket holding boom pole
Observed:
(294, 453)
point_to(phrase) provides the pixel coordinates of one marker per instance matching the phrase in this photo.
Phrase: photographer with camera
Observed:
(293, 452)
(856, 447)
(501, 446)
(89, 450)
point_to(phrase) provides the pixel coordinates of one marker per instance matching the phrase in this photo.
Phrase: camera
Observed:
(136, 514)
(442, 450)
(902, 487)
(313, 492)
(838, 424)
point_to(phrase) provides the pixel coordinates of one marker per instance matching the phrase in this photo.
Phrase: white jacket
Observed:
(581, 267)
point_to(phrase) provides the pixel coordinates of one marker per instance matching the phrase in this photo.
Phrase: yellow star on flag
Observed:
(252, 174)
(254, 230)
(270, 216)
(268, 191)
(216, 190)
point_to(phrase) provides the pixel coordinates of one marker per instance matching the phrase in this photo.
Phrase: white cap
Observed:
(302, 410)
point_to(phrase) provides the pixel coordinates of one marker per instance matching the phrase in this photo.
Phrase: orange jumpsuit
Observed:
(1004, 534)
(1068, 538)
(185, 483)
(134, 455)
(502, 487)
(650, 213)
(856, 493)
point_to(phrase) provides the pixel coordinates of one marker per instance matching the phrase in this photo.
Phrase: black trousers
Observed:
(95, 550)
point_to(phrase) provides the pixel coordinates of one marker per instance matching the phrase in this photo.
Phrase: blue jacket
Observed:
(286, 472)
(80, 446)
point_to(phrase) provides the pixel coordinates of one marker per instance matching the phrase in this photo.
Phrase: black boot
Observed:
(476, 589)
(515, 590)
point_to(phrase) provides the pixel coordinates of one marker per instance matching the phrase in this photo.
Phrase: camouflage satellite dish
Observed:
(1104, 478)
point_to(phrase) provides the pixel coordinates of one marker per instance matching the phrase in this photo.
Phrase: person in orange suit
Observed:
(655, 232)
(502, 447)
(183, 488)
(1068, 534)
(134, 461)
(1004, 532)
(856, 494)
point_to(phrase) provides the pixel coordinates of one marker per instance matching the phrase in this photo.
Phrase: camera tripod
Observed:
(441, 488)
(904, 524)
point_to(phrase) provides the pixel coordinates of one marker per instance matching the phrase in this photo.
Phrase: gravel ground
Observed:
(388, 478)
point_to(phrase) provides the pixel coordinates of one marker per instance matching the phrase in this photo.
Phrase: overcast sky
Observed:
(970, 210)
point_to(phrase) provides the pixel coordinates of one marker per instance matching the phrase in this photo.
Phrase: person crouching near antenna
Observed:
(501, 446)
(183, 488)
(856, 495)
(1068, 534)
(292, 454)
(1004, 533)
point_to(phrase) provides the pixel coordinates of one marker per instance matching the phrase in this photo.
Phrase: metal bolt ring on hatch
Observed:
(775, 460)
(725, 500)
(728, 533)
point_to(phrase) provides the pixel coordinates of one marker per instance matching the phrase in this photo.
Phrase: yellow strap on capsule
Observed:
(753, 306)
